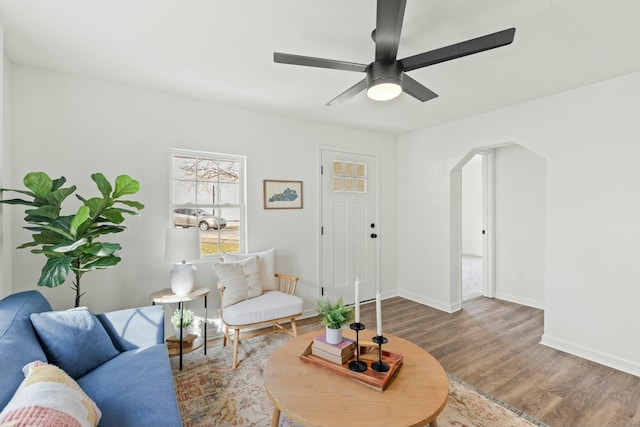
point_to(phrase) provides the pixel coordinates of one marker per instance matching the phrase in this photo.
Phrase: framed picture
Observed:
(282, 194)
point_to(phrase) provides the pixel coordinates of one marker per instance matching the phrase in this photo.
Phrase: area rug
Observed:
(210, 393)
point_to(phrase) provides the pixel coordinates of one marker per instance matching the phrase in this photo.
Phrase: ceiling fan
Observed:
(386, 77)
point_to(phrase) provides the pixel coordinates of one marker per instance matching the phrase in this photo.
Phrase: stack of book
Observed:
(173, 342)
(336, 353)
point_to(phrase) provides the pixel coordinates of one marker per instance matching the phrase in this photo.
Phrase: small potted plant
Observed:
(334, 317)
(181, 321)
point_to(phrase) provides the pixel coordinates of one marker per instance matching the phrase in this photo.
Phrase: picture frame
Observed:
(282, 194)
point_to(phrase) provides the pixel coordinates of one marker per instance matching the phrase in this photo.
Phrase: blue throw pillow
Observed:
(74, 340)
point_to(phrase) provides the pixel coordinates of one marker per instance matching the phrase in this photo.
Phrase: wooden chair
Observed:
(272, 307)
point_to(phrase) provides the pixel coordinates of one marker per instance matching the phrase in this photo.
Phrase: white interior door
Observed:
(349, 225)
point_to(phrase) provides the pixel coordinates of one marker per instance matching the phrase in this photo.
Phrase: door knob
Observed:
(374, 235)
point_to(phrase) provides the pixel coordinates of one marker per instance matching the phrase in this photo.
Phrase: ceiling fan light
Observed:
(384, 91)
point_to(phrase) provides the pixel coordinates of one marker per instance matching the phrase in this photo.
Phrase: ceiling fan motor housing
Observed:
(384, 80)
(384, 72)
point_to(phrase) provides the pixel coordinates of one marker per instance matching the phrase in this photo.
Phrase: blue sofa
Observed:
(134, 387)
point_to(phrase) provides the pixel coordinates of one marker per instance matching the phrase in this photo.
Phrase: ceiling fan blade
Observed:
(349, 93)
(309, 61)
(458, 50)
(390, 14)
(417, 90)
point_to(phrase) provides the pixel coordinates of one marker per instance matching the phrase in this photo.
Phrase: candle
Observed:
(378, 315)
(357, 303)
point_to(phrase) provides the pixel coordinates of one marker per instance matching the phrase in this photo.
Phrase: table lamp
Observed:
(182, 245)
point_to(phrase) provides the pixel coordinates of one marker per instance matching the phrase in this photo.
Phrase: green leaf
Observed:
(113, 215)
(68, 246)
(39, 183)
(46, 211)
(55, 272)
(47, 237)
(56, 197)
(105, 229)
(132, 203)
(103, 184)
(97, 205)
(25, 192)
(80, 217)
(58, 182)
(17, 202)
(59, 231)
(27, 245)
(125, 185)
(104, 262)
(102, 249)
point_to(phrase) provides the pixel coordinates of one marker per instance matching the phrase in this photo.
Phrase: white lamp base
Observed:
(183, 276)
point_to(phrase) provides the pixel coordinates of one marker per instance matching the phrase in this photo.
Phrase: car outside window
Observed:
(207, 191)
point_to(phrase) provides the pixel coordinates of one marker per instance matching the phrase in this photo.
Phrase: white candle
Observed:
(357, 303)
(378, 314)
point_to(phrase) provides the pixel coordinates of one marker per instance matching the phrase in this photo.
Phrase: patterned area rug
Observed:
(211, 394)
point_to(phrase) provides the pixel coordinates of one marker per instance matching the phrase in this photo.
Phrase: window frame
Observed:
(241, 206)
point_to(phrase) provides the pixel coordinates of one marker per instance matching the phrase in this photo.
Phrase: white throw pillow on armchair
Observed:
(266, 262)
(231, 276)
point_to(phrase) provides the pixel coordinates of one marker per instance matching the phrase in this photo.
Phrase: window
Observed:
(349, 177)
(207, 191)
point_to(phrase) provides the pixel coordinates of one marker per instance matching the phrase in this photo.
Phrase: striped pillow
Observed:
(49, 397)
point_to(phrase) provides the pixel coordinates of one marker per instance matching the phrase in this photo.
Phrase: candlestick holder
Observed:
(357, 365)
(380, 366)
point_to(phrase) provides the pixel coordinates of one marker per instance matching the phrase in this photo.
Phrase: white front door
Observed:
(349, 225)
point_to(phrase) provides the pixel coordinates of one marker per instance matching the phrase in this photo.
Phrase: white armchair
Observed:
(251, 297)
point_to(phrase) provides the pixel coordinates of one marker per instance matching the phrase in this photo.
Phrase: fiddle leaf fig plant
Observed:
(70, 242)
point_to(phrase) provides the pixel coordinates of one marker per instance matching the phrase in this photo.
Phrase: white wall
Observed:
(71, 126)
(6, 215)
(520, 210)
(589, 138)
(6, 243)
(471, 215)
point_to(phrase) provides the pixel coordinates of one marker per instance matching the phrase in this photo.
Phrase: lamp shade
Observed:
(182, 244)
(384, 91)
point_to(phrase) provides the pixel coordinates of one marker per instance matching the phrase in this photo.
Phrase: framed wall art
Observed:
(280, 194)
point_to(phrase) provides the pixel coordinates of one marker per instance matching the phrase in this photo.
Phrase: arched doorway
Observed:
(514, 212)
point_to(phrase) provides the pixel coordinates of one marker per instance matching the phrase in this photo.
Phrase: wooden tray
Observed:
(371, 378)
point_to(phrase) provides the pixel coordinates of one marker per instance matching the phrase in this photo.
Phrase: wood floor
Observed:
(494, 345)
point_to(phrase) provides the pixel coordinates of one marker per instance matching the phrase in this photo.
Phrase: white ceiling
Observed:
(223, 51)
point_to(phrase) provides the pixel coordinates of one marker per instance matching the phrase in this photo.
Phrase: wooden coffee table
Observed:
(312, 396)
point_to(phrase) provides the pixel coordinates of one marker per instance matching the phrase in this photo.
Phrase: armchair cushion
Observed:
(73, 339)
(266, 262)
(269, 306)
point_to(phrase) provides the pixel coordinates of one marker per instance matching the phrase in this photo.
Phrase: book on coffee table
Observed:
(335, 358)
(345, 346)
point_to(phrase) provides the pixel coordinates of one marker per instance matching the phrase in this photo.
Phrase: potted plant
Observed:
(181, 321)
(334, 317)
(70, 242)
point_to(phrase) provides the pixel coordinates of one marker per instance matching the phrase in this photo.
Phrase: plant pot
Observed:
(185, 332)
(334, 336)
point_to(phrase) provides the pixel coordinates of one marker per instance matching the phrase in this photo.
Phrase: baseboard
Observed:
(439, 305)
(605, 359)
(519, 300)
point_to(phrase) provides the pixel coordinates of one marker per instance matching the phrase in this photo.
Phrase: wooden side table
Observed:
(166, 296)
